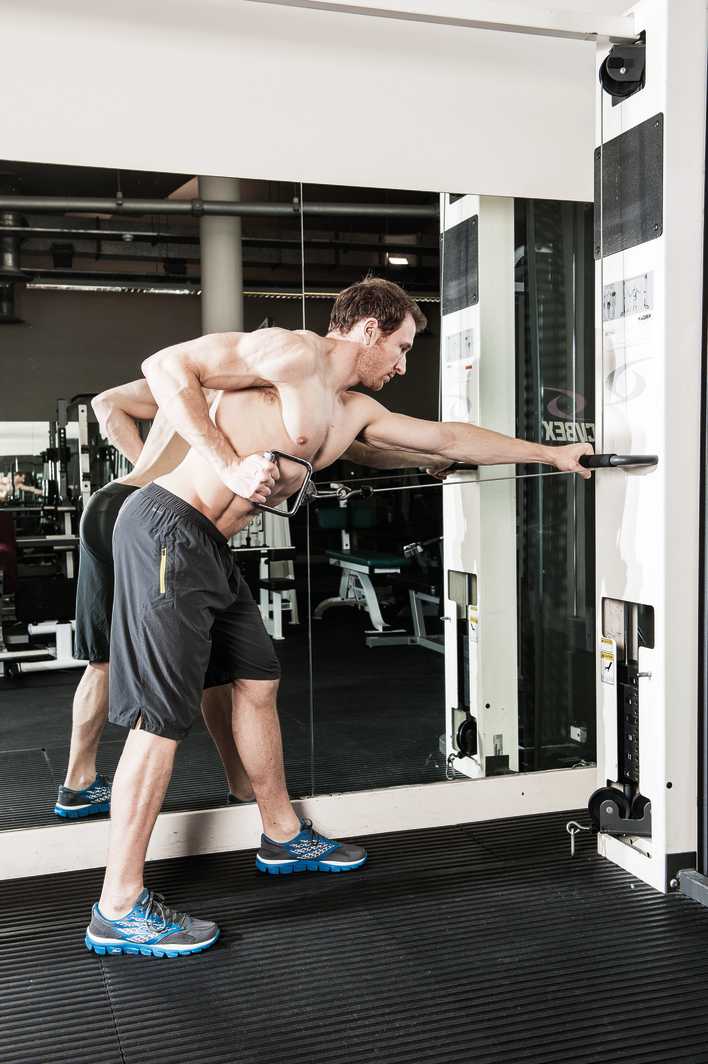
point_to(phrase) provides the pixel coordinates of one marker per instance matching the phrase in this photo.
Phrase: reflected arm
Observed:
(162, 452)
(117, 410)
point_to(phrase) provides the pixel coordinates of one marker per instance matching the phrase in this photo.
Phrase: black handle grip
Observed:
(461, 467)
(610, 461)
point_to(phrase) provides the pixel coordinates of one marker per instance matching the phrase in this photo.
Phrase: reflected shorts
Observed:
(183, 616)
(94, 587)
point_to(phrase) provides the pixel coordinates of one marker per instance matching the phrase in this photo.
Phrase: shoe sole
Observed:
(133, 949)
(88, 810)
(289, 867)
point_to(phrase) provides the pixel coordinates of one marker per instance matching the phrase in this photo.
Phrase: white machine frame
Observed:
(478, 385)
(648, 369)
(648, 365)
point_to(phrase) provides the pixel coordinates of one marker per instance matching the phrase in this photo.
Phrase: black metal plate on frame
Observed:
(461, 266)
(628, 711)
(454, 196)
(633, 188)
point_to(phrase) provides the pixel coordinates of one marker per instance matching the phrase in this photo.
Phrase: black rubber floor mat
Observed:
(27, 789)
(482, 942)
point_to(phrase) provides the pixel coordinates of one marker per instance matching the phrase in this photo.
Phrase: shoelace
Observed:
(100, 783)
(156, 905)
(315, 836)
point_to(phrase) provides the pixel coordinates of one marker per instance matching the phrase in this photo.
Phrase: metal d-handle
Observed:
(275, 456)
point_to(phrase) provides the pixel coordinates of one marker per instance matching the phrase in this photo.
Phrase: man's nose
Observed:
(401, 366)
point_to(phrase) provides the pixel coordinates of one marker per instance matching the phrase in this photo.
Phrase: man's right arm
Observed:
(229, 361)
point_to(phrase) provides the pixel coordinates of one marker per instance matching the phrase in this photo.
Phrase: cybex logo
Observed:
(564, 407)
(569, 431)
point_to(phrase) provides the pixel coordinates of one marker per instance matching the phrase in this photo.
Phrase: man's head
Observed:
(380, 317)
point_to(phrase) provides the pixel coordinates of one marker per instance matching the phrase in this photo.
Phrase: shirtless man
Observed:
(182, 615)
(85, 792)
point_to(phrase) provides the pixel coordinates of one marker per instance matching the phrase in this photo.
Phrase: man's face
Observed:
(384, 357)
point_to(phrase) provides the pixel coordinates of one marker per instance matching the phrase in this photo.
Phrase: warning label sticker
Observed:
(608, 659)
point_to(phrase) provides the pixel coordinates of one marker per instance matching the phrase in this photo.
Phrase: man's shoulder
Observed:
(363, 407)
(286, 351)
(311, 340)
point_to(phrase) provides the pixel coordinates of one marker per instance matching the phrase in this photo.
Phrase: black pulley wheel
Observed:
(639, 804)
(604, 794)
(467, 737)
(611, 84)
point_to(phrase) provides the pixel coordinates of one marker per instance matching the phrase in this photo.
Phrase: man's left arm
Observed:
(393, 458)
(462, 442)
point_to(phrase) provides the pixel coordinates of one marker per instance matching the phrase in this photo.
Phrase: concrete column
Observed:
(222, 267)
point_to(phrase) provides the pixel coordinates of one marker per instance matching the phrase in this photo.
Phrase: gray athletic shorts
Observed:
(183, 616)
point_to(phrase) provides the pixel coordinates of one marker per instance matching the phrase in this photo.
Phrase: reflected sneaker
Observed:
(93, 799)
(308, 852)
(150, 929)
(231, 799)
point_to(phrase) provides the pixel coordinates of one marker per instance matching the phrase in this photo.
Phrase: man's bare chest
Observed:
(308, 421)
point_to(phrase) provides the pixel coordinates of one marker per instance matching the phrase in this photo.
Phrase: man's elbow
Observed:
(102, 405)
(150, 365)
(172, 368)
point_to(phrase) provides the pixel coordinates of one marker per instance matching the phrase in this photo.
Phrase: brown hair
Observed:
(377, 298)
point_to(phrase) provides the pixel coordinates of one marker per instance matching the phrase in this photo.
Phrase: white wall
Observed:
(232, 88)
(75, 342)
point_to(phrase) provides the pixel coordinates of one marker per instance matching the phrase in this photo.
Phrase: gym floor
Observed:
(481, 942)
(379, 712)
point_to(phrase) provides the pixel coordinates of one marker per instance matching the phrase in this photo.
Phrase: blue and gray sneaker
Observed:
(93, 799)
(308, 852)
(150, 928)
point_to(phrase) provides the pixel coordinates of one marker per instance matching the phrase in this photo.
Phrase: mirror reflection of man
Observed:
(12, 484)
(183, 617)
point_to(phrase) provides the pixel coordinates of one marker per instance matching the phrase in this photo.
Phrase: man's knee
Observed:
(261, 691)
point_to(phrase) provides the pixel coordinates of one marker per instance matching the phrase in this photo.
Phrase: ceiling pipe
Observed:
(116, 236)
(49, 273)
(197, 208)
(147, 288)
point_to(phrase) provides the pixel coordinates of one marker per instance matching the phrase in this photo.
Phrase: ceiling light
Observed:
(397, 260)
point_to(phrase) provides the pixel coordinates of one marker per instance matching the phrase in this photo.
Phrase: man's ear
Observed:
(370, 328)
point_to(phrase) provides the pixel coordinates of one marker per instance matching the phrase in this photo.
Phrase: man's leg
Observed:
(89, 715)
(216, 710)
(131, 918)
(139, 787)
(288, 844)
(241, 645)
(94, 604)
(256, 732)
